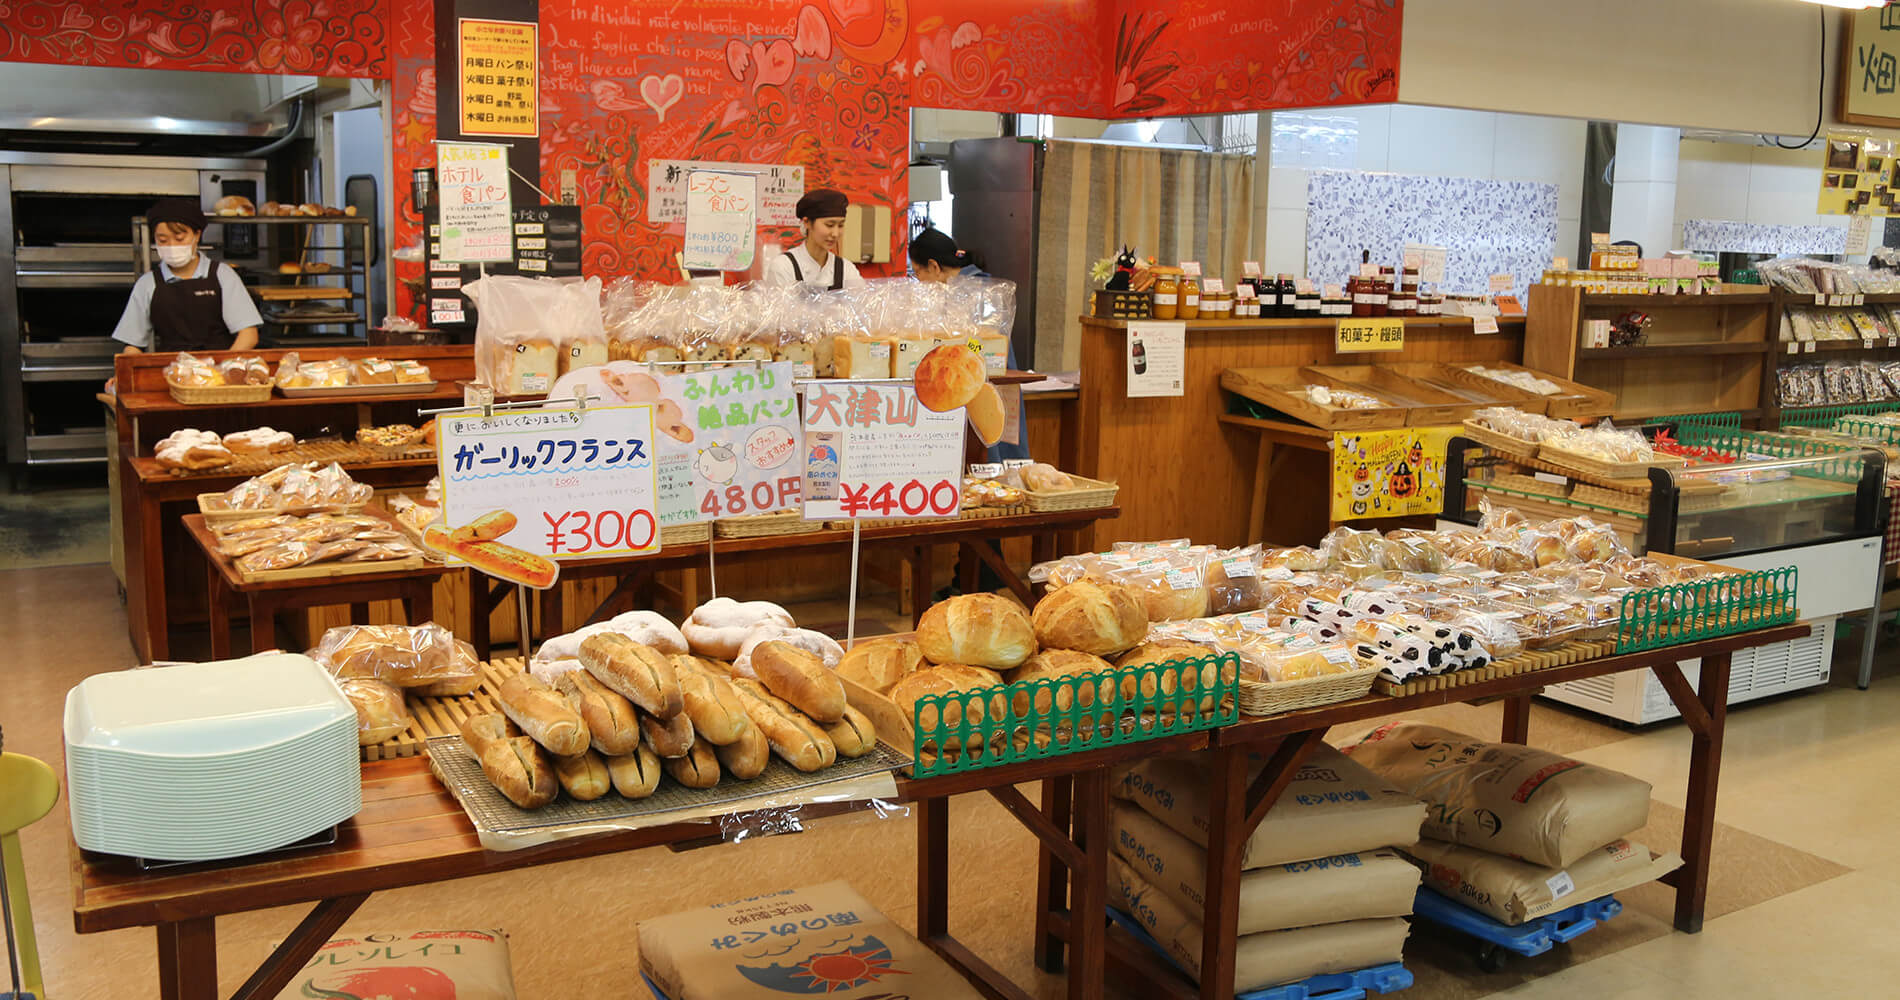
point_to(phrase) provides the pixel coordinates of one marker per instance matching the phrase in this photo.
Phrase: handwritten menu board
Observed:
(547, 243)
(475, 203)
(780, 187)
(730, 447)
(499, 77)
(722, 220)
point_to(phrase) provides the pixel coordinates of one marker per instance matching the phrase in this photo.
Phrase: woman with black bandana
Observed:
(817, 261)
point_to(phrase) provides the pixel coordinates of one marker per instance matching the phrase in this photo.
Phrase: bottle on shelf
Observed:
(1190, 298)
(1167, 295)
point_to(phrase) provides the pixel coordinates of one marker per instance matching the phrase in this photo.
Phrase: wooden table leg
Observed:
(263, 621)
(967, 568)
(1227, 806)
(290, 957)
(933, 868)
(188, 959)
(359, 612)
(1088, 917)
(151, 569)
(1705, 768)
(1052, 876)
(219, 612)
(1517, 719)
(1257, 505)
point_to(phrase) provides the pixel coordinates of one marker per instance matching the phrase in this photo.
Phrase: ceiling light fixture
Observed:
(1850, 4)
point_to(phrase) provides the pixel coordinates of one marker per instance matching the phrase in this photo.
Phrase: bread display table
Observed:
(161, 574)
(1285, 740)
(413, 585)
(971, 535)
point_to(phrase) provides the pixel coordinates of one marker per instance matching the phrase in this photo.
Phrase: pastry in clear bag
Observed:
(1233, 581)
(406, 656)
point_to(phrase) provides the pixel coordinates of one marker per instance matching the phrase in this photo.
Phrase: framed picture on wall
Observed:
(1868, 83)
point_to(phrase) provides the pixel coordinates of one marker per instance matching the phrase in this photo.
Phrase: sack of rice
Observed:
(1356, 886)
(1333, 806)
(1505, 798)
(1260, 960)
(1512, 892)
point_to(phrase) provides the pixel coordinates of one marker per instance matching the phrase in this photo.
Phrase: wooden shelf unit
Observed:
(1702, 353)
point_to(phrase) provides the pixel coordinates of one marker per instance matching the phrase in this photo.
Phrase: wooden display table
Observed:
(1237, 806)
(414, 586)
(971, 535)
(161, 574)
(412, 832)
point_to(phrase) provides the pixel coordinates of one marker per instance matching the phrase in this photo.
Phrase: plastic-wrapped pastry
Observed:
(1350, 545)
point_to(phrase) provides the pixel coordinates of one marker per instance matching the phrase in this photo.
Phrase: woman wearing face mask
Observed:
(189, 302)
(816, 261)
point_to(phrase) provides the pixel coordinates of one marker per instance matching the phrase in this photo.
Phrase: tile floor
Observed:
(1801, 904)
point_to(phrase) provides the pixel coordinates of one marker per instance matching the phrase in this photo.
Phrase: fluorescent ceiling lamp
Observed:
(1851, 4)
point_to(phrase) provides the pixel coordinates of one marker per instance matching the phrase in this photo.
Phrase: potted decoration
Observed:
(1124, 287)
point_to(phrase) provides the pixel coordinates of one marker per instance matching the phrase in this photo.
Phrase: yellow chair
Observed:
(28, 789)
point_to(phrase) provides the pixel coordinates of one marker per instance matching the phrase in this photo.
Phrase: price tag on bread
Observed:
(524, 489)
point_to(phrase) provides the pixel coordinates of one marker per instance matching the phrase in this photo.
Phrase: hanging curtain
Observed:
(1173, 205)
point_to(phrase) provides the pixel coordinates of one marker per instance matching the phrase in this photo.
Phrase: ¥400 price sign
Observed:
(915, 498)
(872, 451)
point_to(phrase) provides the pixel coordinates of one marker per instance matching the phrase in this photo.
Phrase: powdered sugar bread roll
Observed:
(1091, 617)
(817, 644)
(981, 630)
(718, 628)
(650, 628)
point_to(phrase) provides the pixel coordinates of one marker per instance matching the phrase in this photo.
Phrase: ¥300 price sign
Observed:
(572, 483)
(872, 451)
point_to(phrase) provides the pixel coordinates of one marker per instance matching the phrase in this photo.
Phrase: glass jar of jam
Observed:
(1306, 299)
(1167, 295)
(1190, 298)
(1382, 293)
(1403, 303)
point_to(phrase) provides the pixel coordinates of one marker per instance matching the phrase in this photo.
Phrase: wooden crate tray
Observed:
(1472, 388)
(1638, 486)
(1284, 389)
(331, 570)
(1523, 663)
(1601, 496)
(765, 525)
(1502, 443)
(1086, 494)
(1530, 484)
(211, 505)
(301, 293)
(1424, 405)
(1576, 401)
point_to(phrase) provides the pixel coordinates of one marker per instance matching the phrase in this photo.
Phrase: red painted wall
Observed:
(306, 37)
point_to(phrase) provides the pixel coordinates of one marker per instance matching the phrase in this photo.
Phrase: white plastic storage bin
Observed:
(1636, 696)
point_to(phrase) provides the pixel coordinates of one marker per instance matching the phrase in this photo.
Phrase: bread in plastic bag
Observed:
(380, 711)
(403, 655)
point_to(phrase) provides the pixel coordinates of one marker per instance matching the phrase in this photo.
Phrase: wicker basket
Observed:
(1122, 305)
(201, 395)
(1503, 444)
(789, 522)
(1087, 493)
(685, 534)
(1264, 698)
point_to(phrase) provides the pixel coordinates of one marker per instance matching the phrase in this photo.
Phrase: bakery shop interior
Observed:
(1310, 499)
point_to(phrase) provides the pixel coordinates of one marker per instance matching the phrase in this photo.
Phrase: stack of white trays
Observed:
(205, 761)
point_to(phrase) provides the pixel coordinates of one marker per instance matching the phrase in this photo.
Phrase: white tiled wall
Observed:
(1737, 182)
(1415, 140)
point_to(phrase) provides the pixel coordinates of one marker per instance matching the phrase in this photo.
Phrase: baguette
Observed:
(485, 528)
(698, 769)
(583, 776)
(853, 735)
(639, 673)
(717, 715)
(611, 723)
(635, 775)
(515, 765)
(746, 758)
(669, 738)
(794, 737)
(497, 559)
(801, 679)
(544, 714)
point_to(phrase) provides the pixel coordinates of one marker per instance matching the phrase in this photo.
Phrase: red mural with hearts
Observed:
(309, 37)
(828, 84)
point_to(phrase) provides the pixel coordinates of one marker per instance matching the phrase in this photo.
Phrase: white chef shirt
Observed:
(779, 271)
(135, 324)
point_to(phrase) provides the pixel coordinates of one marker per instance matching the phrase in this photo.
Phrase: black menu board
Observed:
(547, 243)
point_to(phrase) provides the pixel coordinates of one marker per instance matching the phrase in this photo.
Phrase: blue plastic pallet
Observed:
(1386, 978)
(1533, 937)
(651, 985)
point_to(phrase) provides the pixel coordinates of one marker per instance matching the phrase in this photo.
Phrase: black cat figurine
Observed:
(1124, 270)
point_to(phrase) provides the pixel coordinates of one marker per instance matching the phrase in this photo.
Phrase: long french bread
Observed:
(669, 738)
(746, 758)
(544, 714)
(515, 765)
(853, 735)
(717, 715)
(801, 679)
(610, 719)
(794, 737)
(698, 769)
(583, 776)
(635, 775)
(640, 673)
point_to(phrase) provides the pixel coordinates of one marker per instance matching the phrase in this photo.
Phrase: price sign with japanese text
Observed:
(551, 483)
(477, 220)
(729, 443)
(873, 451)
(1356, 335)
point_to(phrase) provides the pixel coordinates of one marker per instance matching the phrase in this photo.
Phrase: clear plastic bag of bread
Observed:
(1171, 590)
(244, 370)
(1040, 477)
(991, 307)
(1605, 442)
(521, 325)
(1351, 545)
(1068, 569)
(191, 371)
(423, 657)
(381, 712)
(1409, 550)
(1298, 658)
(1232, 578)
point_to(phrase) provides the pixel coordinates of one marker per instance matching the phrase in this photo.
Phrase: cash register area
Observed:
(1801, 903)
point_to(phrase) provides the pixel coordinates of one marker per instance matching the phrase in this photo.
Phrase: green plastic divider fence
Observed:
(1718, 606)
(1683, 421)
(1768, 444)
(1824, 416)
(1050, 717)
(1862, 425)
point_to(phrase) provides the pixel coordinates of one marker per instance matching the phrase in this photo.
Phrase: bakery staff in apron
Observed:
(816, 261)
(189, 302)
